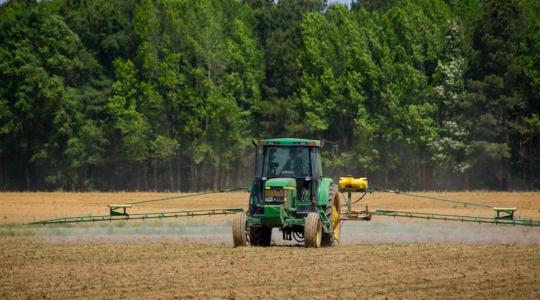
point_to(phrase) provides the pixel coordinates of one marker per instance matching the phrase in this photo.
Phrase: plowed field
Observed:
(194, 258)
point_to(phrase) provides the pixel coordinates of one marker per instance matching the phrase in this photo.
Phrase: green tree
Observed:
(495, 102)
(44, 69)
(129, 127)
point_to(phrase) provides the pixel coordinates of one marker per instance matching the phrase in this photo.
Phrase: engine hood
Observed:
(285, 183)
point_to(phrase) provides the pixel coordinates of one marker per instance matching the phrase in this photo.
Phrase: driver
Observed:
(294, 163)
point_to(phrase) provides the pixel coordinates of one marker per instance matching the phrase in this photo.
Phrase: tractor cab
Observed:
(287, 164)
(300, 162)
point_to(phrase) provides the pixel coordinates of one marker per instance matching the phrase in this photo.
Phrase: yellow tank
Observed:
(349, 182)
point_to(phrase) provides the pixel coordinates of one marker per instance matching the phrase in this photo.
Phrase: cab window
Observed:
(291, 162)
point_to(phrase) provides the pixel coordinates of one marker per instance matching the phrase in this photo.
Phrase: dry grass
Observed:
(27, 207)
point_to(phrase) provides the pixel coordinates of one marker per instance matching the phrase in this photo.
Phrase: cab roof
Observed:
(290, 142)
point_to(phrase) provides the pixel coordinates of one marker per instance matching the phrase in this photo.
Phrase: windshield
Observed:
(292, 162)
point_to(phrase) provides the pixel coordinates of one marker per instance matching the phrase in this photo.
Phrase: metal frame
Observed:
(445, 217)
(141, 216)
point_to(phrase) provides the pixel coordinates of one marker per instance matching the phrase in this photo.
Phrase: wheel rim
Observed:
(318, 238)
(336, 222)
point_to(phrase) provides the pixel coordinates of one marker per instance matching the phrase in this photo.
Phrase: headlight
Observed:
(273, 199)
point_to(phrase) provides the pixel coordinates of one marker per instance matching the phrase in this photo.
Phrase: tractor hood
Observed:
(285, 183)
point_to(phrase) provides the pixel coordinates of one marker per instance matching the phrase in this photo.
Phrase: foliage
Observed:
(167, 94)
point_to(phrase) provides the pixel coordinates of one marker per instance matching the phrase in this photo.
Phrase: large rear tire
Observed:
(313, 230)
(260, 236)
(336, 216)
(240, 235)
(333, 213)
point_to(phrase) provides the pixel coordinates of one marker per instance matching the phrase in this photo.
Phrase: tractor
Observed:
(289, 192)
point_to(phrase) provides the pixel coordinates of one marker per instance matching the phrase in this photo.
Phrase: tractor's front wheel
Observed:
(313, 230)
(240, 235)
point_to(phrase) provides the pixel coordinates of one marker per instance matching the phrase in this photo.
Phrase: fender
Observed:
(323, 191)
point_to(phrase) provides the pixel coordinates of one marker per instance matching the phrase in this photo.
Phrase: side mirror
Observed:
(335, 150)
(335, 147)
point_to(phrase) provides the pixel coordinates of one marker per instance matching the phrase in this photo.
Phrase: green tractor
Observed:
(290, 193)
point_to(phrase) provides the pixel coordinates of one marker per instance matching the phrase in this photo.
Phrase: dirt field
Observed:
(28, 207)
(34, 269)
(194, 258)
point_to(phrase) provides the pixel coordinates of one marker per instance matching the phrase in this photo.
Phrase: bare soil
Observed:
(194, 258)
(166, 269)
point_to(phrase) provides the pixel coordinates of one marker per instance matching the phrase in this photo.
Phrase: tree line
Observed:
(169, 94)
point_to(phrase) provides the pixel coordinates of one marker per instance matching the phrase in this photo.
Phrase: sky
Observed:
(346, 2)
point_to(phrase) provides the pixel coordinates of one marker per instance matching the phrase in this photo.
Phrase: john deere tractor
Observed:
(290, 193)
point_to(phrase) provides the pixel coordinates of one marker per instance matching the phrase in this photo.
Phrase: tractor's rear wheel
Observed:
(333, 213)
(240, 235)
(313, 230)
(260, 236)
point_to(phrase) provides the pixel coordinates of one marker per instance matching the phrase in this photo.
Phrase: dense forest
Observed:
(169, 94)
